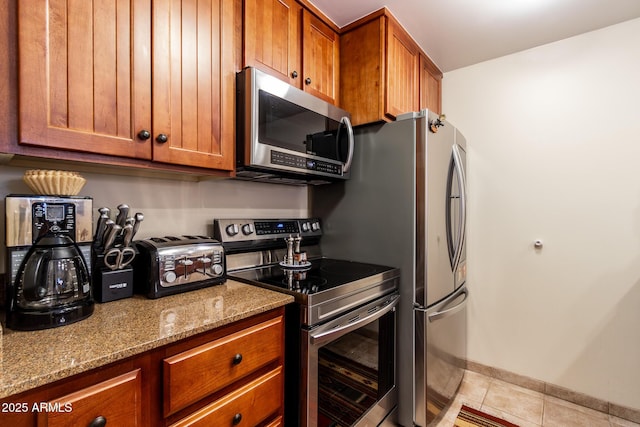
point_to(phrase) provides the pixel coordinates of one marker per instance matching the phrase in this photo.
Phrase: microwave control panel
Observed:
(300, 162)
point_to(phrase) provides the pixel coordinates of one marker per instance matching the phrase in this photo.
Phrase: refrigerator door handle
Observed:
(458, 169)
(446, 310)
(347, 165)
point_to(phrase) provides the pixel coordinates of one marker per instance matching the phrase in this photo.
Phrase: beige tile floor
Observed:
(524, 407)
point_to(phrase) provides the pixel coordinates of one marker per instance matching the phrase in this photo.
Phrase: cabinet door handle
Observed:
(237, 359)
(144, 134)
(307, 81)
(98, 421)
(294, 74)
(162, 138)
(237, 418)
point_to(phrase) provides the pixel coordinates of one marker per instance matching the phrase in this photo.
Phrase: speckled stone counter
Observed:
(124, 328)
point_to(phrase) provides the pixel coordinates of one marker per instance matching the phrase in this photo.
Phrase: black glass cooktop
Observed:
(323, 274)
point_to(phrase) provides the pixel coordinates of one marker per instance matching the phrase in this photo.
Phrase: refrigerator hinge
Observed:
(418, 307)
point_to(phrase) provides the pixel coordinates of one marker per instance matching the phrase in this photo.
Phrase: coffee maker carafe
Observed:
(49, 280)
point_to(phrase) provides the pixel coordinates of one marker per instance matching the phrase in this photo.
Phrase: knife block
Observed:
(113, 284)
(110, 285)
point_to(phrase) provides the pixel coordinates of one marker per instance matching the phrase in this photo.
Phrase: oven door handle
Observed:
(321, 337)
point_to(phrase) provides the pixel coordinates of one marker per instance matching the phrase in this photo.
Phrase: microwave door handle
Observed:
(347, 165)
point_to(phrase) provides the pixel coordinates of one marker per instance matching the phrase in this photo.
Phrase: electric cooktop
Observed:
(323, 275)
(322, 287)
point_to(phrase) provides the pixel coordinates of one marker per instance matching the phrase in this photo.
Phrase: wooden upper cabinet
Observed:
(273, 38)
(193, 82)
(143, 79)
(383, 65)
(85, 75)
(287, 41)
(320, 59)
(402, 61)
(430, 85)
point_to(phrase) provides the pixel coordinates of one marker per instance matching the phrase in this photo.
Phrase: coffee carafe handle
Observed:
(32, 277)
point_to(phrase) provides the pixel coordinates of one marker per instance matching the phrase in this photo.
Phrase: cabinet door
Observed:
(194, 374)
(193, 82)
(430, 85)
(402, 71)
(272, 38)
(116, 402)
(249, 405)
(85, 75)
(320, 58)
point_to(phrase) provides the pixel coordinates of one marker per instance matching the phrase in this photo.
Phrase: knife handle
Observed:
(127, 235)
(139, 217)
(123, 212)
(111, 234)
(105, 211)
(100, 228)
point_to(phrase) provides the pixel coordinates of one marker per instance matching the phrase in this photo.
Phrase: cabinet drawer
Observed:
(196, 373)
(249, 405)
(278, 422)
(117, 400)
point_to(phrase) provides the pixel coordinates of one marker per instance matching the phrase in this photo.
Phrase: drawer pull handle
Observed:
(98, 421)
(236, 361)
(237, 418)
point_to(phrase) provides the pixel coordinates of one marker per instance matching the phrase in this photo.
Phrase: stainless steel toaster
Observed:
(170, 265)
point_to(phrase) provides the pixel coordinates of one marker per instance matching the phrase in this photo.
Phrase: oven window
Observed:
(287, 125)
(354, 372)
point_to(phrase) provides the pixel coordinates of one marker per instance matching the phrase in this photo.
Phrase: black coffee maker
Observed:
(51, 286)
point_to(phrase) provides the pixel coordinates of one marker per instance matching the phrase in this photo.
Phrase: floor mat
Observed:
(469, 417)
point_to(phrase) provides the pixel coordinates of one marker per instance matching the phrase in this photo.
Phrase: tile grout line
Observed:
(551, 390)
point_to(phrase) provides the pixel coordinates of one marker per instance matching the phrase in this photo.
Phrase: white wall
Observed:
(173, 207)
(554, 154)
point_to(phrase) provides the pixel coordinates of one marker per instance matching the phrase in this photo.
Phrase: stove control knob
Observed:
(248, 229)
(305, 226)
(217, 269)
(169, 276)
(315, 226)
(232, 229)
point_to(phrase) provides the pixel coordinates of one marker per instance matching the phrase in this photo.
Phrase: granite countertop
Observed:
(124, 328)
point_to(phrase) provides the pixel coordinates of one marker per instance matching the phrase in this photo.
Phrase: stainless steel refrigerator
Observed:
(405, 206)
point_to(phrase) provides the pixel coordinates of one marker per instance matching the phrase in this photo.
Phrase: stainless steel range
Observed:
(341, 331)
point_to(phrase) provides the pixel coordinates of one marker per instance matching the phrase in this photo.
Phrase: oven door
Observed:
(349, 369)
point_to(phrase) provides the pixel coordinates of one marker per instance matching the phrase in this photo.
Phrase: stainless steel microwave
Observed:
(288, 136)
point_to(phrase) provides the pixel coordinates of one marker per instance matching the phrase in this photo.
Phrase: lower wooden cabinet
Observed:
(198, 372)
(117, 402)
(248, 405)
(229, 376)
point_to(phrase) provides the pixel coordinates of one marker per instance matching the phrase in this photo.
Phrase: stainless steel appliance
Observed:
(174, 264)
(405, 205)
(49, 283)
(340, 332)
(286, 135)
